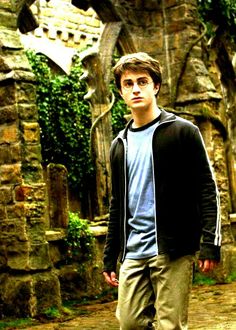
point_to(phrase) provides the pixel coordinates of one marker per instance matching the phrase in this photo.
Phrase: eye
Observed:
(142, 82)
(128, 84)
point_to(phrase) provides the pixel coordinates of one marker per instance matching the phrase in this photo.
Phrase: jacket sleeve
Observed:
(113, 242)
(209, 202)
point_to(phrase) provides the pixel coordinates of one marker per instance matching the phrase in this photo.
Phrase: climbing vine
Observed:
(220, 13)
(119, 110)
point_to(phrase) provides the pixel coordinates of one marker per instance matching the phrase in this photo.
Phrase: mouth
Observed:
(137, 99)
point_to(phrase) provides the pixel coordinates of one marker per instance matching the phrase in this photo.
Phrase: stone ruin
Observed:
(193, 88)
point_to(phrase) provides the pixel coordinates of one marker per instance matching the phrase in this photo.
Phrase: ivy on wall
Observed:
(220, 13)
(65, 120)
(119, 110)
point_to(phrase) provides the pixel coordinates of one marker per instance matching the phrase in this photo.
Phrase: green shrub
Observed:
(52, 313)
(80, 239)
(231, 278)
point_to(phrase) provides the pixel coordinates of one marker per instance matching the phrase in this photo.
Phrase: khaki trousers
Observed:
(154, 293)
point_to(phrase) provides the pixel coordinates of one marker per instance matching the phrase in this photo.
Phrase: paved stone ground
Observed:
(211, 308)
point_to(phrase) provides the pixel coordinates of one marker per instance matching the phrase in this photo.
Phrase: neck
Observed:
(141, 118)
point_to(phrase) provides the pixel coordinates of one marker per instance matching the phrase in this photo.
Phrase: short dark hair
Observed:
(137, 62)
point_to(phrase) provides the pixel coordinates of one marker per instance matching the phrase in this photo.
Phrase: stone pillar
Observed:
(57, 196)
(97, 64)
(27, 282)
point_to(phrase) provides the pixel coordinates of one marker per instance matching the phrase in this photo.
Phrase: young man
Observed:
(164, 203)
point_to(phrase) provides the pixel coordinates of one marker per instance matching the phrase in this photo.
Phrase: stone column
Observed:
(28, 284)
(97, 64)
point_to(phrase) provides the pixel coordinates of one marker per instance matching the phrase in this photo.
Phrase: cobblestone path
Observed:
(211, 308)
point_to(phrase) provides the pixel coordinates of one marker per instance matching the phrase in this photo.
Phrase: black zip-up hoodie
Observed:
(186, 195)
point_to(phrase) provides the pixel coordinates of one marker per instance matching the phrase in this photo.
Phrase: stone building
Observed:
(193, 87)
(62, 30)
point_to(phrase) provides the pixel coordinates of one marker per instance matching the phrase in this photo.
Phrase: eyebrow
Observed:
(137, 79)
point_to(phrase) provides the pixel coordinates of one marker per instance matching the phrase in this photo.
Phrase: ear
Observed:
(157, 87)
(120, 92)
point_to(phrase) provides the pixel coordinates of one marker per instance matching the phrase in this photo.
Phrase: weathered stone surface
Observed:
(31, 133)
(200, 86)
(70, 26)
(17, 254)
(47, 283)
(16, 211)
(6, 195)
(83, 279)
(3, 212)
(99, 230)
(28, 111)
(6, 4)
(32, 153)
(15, 62)
(10, 40)
(9, 133)
(39, 257)
(16, 293)
(17, 75)
(55, 252)
(227, 235)
(34, 210)
(7, 93)
(32, 172)
(55, 235)
(26, 255)
(233, 224)
(26, 92)
(8, 113)
(8, 19)
(33, 192)
(227, 265)
(58, 195)
(24, 295)
(10, 153)
(10, 174)
(36, 231)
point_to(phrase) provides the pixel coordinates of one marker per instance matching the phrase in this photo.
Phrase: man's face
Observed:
(138, 90)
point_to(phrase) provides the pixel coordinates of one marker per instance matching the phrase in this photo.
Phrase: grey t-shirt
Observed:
(142, 231)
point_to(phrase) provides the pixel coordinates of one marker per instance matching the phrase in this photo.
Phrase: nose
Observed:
(136, 87)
